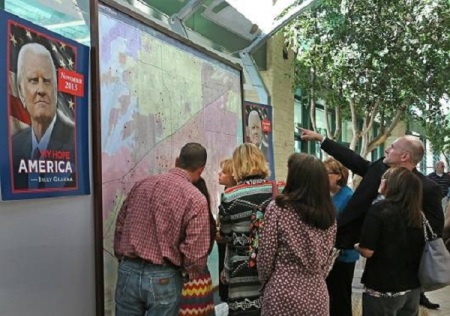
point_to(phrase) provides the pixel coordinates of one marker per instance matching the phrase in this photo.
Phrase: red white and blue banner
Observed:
(44, 112)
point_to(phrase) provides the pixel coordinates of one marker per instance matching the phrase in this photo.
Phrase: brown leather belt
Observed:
(166, 263)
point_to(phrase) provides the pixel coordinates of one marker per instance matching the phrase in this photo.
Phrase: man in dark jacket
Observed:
(406, 151)
(443, 180)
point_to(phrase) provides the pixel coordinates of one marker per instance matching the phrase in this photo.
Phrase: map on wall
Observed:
(156, 95)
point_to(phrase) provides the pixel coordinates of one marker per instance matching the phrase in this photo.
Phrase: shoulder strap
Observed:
(426, 225)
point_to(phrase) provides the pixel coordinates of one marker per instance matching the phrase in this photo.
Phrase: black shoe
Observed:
(425, 302)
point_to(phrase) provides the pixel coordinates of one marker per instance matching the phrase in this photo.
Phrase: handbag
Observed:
(434, 269)
(197, 297)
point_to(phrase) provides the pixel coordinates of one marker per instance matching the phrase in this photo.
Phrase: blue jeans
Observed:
(144, 289)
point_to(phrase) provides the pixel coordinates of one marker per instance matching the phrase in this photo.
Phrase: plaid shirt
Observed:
(165, 217)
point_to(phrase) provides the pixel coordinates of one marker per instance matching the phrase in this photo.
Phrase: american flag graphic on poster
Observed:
(63, 56)
(46, 106)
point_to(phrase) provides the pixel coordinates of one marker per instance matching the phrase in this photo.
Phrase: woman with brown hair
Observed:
(296, 242)
(392, 240)
(253, 189)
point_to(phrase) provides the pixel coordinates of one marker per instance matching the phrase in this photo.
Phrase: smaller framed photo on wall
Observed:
(257, 127)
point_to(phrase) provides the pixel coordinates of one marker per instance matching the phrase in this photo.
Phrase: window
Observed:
(298, 113)
(347, 132)
(69, 18)
(298, 122)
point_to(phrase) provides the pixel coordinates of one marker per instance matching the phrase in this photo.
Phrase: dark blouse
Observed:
(397, 249)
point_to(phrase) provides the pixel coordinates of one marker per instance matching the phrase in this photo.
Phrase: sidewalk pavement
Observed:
(441, 297)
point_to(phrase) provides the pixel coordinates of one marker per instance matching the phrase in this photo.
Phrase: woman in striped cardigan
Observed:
(238, 203)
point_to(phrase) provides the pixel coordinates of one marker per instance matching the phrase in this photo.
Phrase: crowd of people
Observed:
(165, 232)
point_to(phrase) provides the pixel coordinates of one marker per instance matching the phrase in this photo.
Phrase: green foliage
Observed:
(384, 57)
(437, 131)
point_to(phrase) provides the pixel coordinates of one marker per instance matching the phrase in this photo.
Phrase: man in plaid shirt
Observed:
(162, 230)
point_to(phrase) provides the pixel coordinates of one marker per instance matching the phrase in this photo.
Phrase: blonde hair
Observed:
(337, 168)
(227, 166)
(248, 160)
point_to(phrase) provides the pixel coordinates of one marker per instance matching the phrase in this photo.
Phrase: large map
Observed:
(156, 95)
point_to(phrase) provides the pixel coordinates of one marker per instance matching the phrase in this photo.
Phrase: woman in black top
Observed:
(392, 240)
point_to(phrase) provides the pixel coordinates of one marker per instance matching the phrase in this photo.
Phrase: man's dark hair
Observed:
(192, 156)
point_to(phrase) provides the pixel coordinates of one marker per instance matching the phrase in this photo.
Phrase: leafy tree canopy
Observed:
(378, 61)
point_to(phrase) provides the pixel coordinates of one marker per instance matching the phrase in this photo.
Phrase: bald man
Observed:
(443, 180)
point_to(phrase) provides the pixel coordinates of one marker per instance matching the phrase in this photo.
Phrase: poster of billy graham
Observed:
(44, 121)
(257, 127)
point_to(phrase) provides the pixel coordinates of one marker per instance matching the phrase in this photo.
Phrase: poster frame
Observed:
(71, 61)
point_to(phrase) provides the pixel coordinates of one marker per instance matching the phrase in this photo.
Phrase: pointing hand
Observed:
(308, 135)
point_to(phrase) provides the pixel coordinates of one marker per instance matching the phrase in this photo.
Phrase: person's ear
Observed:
(406, 156)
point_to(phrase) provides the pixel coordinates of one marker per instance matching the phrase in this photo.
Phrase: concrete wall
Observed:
(47, 257)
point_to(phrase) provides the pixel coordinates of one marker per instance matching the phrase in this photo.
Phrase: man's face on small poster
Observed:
(254, 128)
(37, 83)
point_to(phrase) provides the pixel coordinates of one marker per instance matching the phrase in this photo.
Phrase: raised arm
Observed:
(346, 156)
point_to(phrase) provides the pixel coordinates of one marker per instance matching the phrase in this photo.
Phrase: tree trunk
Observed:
(381, 138)
(355, 129)
(312, 100)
